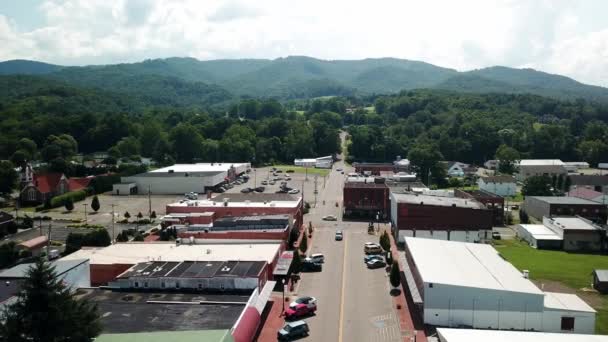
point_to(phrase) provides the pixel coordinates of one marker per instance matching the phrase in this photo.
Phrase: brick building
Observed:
(539, 206)
(364, 199)
(444, 218)
(491, 201)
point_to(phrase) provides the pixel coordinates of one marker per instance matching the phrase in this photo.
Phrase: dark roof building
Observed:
(600, 280)
(539, 206)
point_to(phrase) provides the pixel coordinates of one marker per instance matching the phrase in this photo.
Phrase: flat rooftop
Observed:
(566, 302)
(571, 223)
(243, 200)
(214, 335)
(563, 200)
(466, 264)
(130, 312)
(439, 201)
(195, 269)
(135, 253)
(540, 232)
(540, 162)
(199, 167)
(363, 185)
(476, 335)
(61, 266)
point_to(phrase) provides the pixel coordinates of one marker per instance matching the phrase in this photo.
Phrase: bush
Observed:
(122, 237)
(385, 241)
(27, 222)
(523, 217)
(69, 204)
(395, 276)
(75, 196)
(306, 207)
(95, 204)
(303, 243)
(95, 238)
(138, 237)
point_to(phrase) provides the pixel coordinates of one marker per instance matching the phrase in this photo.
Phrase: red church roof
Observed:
(47, 182)
(79, 183)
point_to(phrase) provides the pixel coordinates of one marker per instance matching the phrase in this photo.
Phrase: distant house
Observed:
(498, 185)
(43, 187)
(600, 280)
(456, 169)
(574, 166)
(540, 167)
(491, 164)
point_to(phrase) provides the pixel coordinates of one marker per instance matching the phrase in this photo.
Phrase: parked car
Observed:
(264, 183)
(339, 235)
(496, 236)
(219, 189)
(330, 218)
(372, 248)
(375, 263)
(246, 190)
(317, 257)
(300, 310)
(287, 178)
(260, 189)
(272, 183)
(308, 300)
(339, 169)
(279, 171)
(294, 191)
(311, 266)
(371, 257)
(290, 171)
(292, 330)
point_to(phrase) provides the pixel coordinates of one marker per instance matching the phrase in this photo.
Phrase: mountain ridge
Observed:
(302, 76)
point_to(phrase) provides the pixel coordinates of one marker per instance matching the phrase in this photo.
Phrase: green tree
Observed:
(69, 204)
(423, 159)
(507, 157)
(389, 258)
(296, 263)
(140, 215)
(20, 158)
(47, 310)
(537, 186)
(187, 143)
(293, 237)
(304, 244)
(8, 177)
(395, 275)
(95, 203)
(153, 214)
(593, 151)
(385, 241)
(560, 182)
(8, 254)
(523, 217)
(127, 215)
(138, 237)
(122, 237)
(29, 147)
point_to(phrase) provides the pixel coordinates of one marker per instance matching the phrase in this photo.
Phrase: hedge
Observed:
(76, 196)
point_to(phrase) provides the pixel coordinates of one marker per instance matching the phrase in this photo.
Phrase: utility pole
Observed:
(149, 202)
(85, 212)
(316, 191)
(255, 178)
(48, 243)
(113, 231)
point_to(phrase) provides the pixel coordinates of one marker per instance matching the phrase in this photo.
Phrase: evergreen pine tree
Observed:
(395, 276)
(95, 203)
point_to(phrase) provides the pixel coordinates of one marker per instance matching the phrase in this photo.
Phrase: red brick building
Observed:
(491, 201)
(363, 199)
(446, 218)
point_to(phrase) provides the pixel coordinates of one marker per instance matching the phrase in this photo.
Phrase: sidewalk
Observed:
(274, 320)
(409, 318)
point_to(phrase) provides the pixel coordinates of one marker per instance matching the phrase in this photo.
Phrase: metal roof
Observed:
(477, 335)
(570, 223)
(466, 264)
(199, 167)
(61, 266)
(541, 162)
(195, 269)
(540, 232)
(566, 302)
(164, 336)
(602, 275)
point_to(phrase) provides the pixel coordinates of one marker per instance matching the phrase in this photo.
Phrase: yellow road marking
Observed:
(343, 285)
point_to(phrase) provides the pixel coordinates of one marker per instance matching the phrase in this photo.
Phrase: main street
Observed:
(354, 303)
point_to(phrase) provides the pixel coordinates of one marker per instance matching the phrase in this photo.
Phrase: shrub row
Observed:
(60, 200)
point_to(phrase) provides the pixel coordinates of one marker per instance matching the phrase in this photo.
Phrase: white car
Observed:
(316, 257)
(330, 218)
(293, 191)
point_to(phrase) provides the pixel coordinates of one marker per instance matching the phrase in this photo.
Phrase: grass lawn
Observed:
(300, 169)
(572, 270)
(370, 109)
(517, 198)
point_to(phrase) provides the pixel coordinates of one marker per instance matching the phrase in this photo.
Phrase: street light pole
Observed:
(85, 212)
(113, 231)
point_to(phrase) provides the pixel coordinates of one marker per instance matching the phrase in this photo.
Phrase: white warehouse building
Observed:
(319, 163)
(180, 178)
(458, 284)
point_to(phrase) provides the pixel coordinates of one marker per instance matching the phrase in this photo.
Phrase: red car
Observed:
(300, 310)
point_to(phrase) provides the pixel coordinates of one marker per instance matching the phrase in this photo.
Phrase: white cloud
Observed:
(556, 36)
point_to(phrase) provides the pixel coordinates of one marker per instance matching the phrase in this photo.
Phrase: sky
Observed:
(557, 36)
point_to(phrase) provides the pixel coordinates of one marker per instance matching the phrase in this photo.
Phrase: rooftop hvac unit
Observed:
(192, 240)
(225, 202)
(526, 274)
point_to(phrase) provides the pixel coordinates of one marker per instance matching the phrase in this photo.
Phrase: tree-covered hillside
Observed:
(300, 77)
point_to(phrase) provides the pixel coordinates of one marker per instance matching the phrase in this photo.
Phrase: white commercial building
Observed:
(499, 185)
(319, 163)
(472, 335)
(540, 167)
(458, 284)
(181, 178)
(539, 236)
(568, 233)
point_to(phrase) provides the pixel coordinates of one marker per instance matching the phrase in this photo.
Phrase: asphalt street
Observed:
(354, 303)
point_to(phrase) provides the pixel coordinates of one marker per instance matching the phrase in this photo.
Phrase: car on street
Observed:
(372, 248)
(496, 236)
(342, 172)
(339, 169)
(300, 310)
(330, 218)
(375, 263)
(287, 178)
(260, 189)
(293, 330)
(264, 183)
(246, 190)
(316, 257)
(308, 300)
(279, 171)
(371, 257)
(271, 182)
(311, 266)
(294, 191)
(339, 235)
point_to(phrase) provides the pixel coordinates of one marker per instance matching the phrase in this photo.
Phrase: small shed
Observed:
(34, 245)
(600, 280)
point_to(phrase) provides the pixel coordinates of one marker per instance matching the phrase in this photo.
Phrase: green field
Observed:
(572, 270)
(299, 169)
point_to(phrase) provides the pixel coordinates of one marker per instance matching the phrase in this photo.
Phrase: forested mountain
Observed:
(304, 77)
